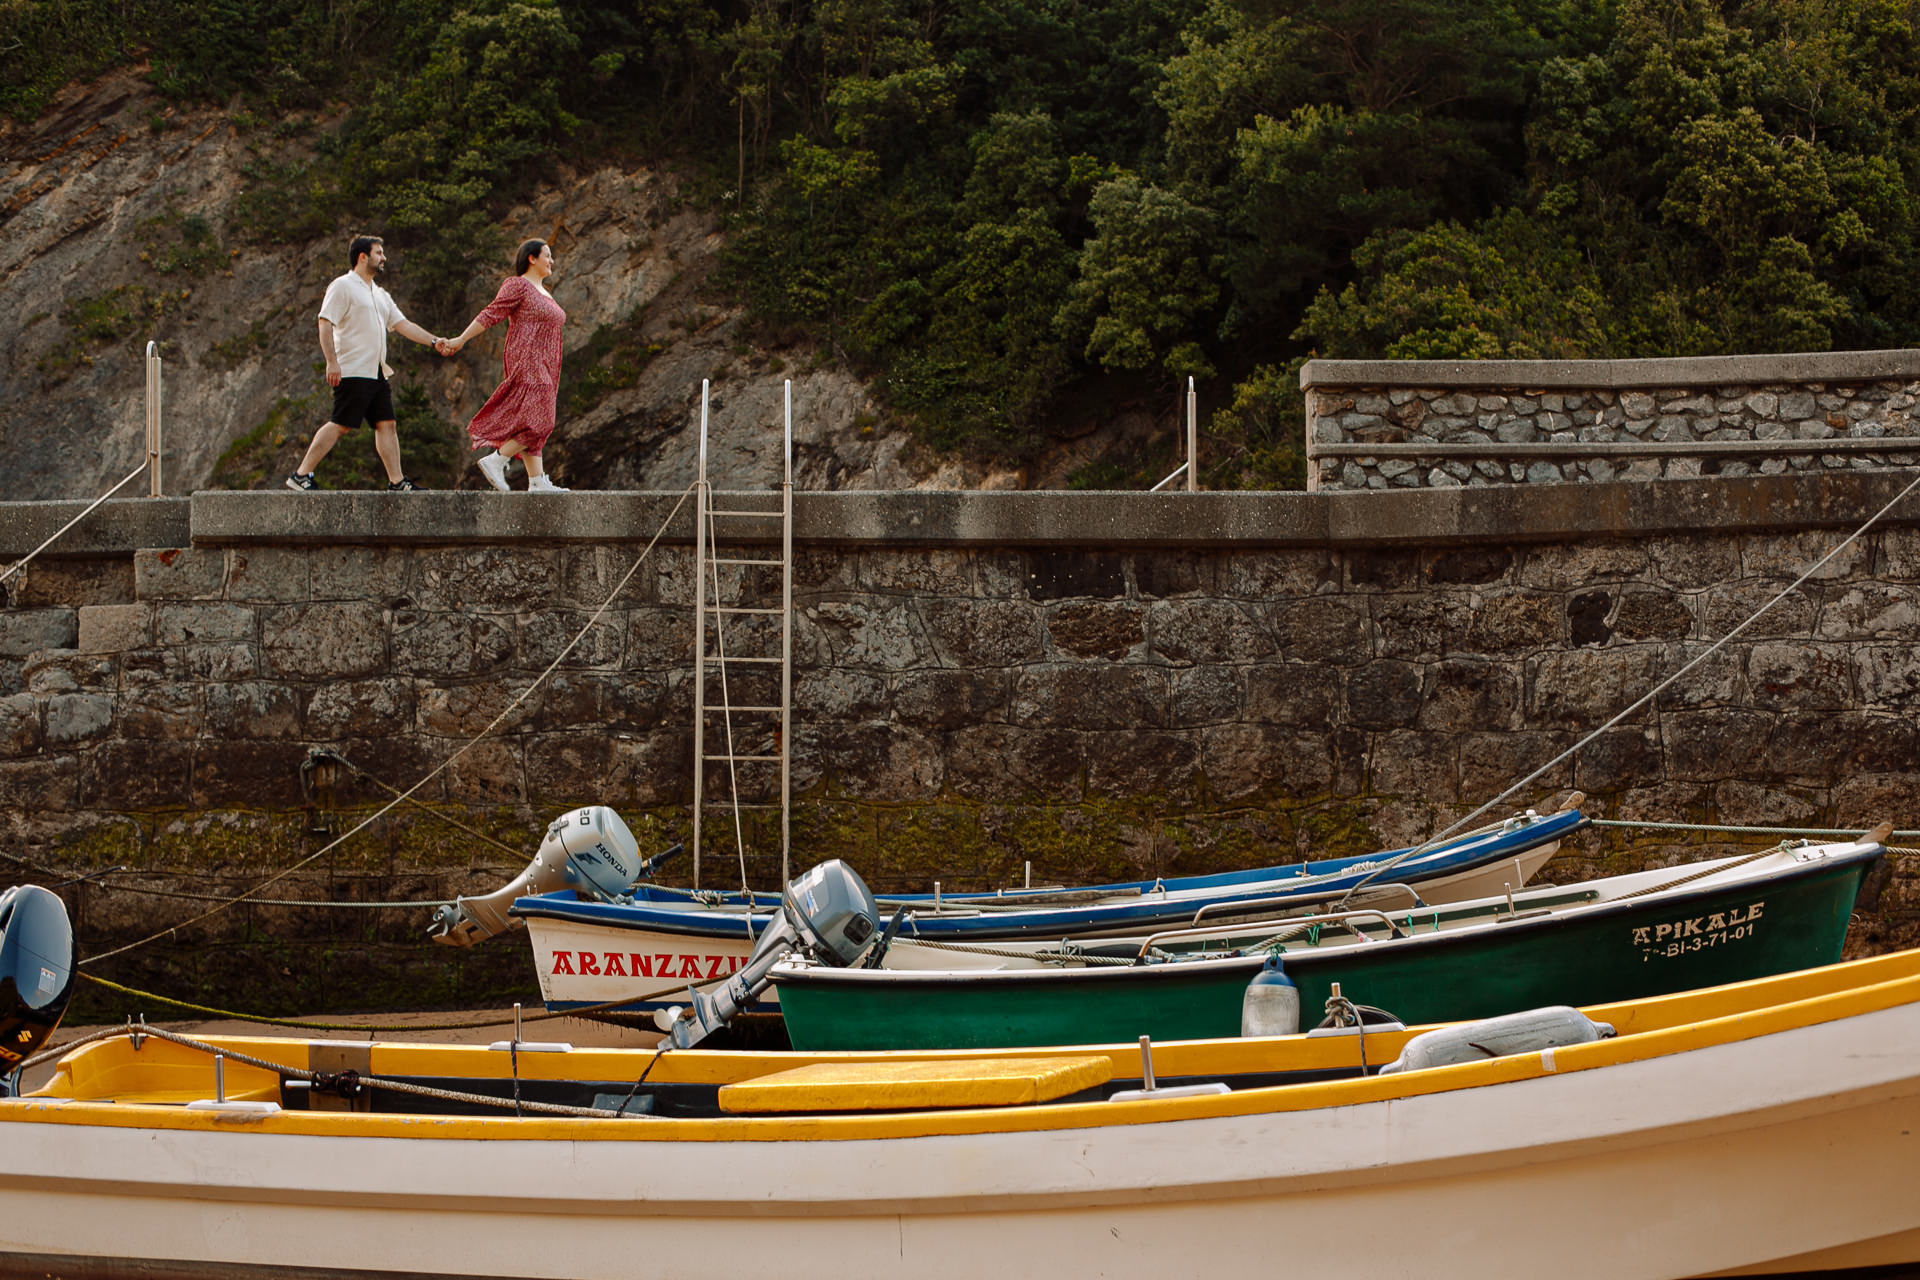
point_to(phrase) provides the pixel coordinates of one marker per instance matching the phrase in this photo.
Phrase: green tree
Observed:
(1145, 281)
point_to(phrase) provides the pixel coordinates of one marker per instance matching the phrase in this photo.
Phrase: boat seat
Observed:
(904, 1086)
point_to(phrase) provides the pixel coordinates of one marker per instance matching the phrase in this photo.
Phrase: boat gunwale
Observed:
(1841, 1002)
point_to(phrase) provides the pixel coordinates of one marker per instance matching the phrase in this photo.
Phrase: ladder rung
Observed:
(719, 560)
(743, 759)
(714, 709)
(736, 608)
(714, 657)
(744, 804)
(771, 515)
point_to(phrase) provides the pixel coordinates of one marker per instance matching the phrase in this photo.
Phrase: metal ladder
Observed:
(729, 559)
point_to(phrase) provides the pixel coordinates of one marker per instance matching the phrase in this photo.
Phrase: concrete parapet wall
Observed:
(1104, 685)
(1381, 424)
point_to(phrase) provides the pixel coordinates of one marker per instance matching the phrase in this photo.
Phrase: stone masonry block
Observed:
(984, 633)
(484, 577)
(360, 708)
(30, 630)
(19, 725)
(321, 641)
(77, 717)
(252, 709)
(1207, 631)
(267, 574)
(203, 623)
(447, 645)
(111, 628)
(73, 583)
(160, 709)
(179, 573)
(359, 573)
(63, 671)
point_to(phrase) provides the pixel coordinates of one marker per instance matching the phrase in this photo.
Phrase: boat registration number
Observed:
(1683, 937)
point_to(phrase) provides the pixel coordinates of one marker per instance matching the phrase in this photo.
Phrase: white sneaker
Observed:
(541, 484)
(494, 468)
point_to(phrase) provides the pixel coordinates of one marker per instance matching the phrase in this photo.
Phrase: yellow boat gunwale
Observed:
(1744, 1012)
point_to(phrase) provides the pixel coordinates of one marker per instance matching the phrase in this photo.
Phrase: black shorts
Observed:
(358, 400)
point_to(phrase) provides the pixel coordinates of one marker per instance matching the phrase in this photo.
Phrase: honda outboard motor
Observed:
(36, 975)
(827, 914)
(587, 849)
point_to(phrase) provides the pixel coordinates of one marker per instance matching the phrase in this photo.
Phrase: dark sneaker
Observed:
(303, 483)
(402, 485)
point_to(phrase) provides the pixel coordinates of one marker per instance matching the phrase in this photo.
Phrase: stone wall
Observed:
(1426, 423)
(1101, 686)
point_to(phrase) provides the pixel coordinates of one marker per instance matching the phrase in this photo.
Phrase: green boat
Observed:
(1625, 937)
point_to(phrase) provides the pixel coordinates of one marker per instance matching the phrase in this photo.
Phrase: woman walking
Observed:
(517, 419)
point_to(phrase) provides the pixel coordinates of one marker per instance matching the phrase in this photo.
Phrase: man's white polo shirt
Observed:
(361, 312)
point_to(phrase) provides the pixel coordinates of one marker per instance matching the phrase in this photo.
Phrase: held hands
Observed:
(447, 346)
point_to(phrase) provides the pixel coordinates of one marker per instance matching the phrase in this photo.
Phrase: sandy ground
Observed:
(436, 1028)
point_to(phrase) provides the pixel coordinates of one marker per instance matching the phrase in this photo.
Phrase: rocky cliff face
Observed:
(119, 217)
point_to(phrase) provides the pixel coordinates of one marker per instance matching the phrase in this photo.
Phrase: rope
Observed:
(584, 1011)
(1655, 692)
(1749, 831)
(1701, 874)
(171, 930)
(21, 563)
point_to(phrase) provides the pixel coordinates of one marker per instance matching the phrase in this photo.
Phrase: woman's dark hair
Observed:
(528, 252)
(364, 244)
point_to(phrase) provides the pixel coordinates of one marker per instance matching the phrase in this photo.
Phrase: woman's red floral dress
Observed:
(522, 407)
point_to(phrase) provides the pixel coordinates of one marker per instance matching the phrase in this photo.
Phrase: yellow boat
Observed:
(1762, 1127)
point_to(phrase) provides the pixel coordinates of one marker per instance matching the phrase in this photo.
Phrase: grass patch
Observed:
(181, 242)
(253, 458)
(112, 316)
(612, 360)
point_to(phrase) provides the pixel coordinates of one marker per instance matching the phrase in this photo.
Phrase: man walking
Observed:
(354, 319)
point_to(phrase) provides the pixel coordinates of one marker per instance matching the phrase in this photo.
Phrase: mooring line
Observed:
(171, 930)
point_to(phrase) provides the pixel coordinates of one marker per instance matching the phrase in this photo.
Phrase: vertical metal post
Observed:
(786, 632)
(154, 395)
(1193, 435)
(700, 633)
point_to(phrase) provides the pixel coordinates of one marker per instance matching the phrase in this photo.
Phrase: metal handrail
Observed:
(155, 397)
(1295, 899)
(150, 464)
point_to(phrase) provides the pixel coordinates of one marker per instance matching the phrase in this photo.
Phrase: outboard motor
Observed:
(827, 914)
(36, 975)
(588, 849)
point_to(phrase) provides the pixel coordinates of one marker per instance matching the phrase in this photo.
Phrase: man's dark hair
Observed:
(364, 244)
(528, 252)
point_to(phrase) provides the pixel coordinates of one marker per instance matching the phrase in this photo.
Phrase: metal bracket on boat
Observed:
(136, 1031)
(219, 1101)
(341, 1084)
(1150, 1088)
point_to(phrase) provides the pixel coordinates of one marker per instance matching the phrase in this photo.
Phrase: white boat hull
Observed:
(1736, 1155)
